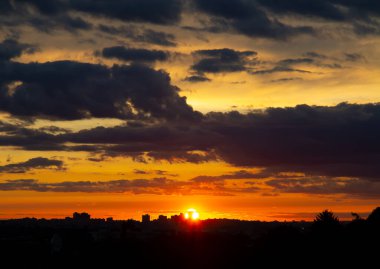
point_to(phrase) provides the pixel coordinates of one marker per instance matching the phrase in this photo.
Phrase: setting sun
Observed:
(192, 214)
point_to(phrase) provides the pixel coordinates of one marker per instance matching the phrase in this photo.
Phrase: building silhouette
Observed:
(81, 217)
(145, 218)
(162, 218)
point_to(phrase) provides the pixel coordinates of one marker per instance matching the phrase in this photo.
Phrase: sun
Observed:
(192, 214)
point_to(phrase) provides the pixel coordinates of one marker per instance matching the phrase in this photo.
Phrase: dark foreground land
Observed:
(81, 242)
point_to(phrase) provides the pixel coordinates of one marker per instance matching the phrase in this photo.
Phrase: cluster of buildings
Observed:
(190, 215)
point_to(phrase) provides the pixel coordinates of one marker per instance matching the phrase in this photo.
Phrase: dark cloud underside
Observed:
(11, 48)
(74, 90)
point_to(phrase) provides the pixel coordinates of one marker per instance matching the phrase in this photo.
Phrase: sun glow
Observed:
(191, 214)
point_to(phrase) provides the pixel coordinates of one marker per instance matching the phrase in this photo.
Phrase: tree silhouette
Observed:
(356, 216)
(327, 217)
(374, 217)
(326, 222)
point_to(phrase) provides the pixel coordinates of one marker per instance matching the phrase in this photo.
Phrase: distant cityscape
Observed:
(80, 241)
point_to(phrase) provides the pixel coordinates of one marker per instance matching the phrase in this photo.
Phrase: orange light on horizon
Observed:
(191, 214)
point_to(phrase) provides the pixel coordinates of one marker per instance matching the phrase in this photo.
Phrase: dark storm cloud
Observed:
(74, 90)
(135, 55)
(48, 15)
(223, 60)
(31, 164)
(248, 18)
(11, 48)
(338, 141)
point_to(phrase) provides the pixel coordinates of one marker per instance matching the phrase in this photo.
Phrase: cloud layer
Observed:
(339, 141)
(333, 149)
(253, 18)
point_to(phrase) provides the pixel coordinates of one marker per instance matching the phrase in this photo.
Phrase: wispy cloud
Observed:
(32, 164)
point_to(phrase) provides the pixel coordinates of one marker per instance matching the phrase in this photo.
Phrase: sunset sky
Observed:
(247, 109)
